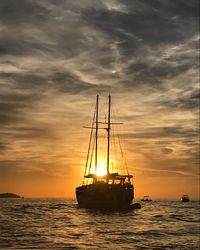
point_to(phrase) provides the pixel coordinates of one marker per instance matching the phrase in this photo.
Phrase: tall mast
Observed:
(96, 146)
(108, 130)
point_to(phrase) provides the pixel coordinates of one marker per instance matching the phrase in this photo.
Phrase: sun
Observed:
(101, 170)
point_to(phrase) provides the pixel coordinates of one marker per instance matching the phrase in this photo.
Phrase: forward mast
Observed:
(108, 134)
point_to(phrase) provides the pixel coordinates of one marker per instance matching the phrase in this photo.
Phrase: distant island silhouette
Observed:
(9, 195)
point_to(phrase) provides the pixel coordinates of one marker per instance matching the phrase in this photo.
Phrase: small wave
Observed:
(25, 206)
(89, 223)
(58, 206)
(108, 232)
(158, 216)
(151, 233)
(186, 207)
(181, 218)
(78, 234)
(188, 220)
(126, 233)
(62, 205)
(54, 207)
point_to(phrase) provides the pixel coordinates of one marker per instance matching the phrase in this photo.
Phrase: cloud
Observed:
(186, 100)
(159, 132)
(167, 150)
(4, 147)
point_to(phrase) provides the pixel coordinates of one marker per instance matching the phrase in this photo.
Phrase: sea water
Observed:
(59, 224)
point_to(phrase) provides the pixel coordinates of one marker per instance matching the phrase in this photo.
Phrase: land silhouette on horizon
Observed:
(9, 195)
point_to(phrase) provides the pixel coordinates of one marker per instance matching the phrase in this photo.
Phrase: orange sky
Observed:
(53, 168)
(58, 56)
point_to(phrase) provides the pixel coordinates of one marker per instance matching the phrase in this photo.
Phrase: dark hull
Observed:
(185, 199)
(105, 196)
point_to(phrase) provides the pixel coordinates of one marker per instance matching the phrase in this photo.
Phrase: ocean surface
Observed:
(59, 224)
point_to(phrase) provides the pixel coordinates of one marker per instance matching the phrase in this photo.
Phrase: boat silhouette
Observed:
(110, 190)
(185, 198)
(146, 198)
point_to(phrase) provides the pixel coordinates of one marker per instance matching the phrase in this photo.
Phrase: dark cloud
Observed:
(4, 147)
(67, 82)
(161, 132)
(143, 29)
(13, 12)
(32, 133)
(167, 150)
(66, 31)
(62, 81)
(188, 101)
(153, 22)
(13, 105)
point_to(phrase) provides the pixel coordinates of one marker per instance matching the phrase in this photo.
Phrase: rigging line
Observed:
(108, 130)
(90, 140)
(91, 157)
(111, 152)
(102, 147)
(121, 141)
(97, 125)
(99, 136)
(124, 157)
(115, 148)
(116, 155)
(118, 158)
(122, 153)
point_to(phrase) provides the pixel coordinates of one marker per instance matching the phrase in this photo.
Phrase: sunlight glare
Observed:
(101, 170)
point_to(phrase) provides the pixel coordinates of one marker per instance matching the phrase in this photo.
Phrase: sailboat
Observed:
(110, 190)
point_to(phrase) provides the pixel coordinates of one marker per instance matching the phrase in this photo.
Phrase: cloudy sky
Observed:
(56, 55)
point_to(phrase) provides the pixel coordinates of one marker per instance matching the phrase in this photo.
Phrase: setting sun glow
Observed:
(101, 170)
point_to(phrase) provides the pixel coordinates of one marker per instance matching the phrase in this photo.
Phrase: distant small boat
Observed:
(185, 198)
(146, 198)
